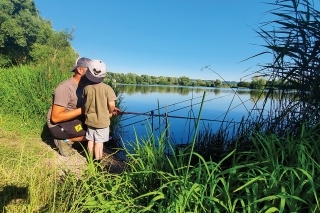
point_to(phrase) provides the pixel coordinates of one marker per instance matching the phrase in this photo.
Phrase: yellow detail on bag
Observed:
(78, 128)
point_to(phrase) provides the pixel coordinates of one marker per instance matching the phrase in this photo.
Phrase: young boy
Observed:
(99, 106)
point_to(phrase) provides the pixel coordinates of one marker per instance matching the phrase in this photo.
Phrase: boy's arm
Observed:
(111, 107)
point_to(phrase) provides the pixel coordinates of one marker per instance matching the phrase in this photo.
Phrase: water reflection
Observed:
(254, 95)
(145, 89)
(220, 105)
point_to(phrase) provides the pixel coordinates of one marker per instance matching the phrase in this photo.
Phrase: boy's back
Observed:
(97, 97)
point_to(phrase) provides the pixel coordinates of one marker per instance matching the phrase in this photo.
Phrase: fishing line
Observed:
(148, 112)
(151, 114)
(160, 108)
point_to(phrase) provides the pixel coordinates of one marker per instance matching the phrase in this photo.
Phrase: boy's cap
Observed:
(97, 71)
(82, 62)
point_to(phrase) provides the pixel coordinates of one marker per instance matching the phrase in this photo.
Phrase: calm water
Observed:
(184, 102)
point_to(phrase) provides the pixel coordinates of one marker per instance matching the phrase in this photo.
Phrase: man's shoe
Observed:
(65, 148)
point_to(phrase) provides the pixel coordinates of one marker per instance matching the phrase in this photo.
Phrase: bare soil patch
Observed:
(112, 161)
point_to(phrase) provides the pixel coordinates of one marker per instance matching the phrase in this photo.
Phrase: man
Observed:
(64, 117)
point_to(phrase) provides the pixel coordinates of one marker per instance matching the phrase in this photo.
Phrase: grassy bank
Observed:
(27, 179)
(275, 175)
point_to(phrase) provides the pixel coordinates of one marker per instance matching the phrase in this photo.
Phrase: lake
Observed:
(182, 105)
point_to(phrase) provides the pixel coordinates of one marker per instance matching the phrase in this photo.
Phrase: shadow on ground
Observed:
(12, 195)
(113, 160)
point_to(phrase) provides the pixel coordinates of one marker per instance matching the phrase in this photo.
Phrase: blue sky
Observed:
(164, 37)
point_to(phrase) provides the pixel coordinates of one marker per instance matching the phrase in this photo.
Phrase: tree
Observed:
(210, 83)
(123, 78)
(173, 80)
(199, 82)
(163, 80)
(138, 79)
(53, 47)
(19, 27)
(26, 37)
(243, 84)
(183, 80)
(145, 79)
(217, 83)
(258, 83)
(132, 78)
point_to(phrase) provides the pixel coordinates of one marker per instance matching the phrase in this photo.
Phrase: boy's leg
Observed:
(90, 148)
(98, 151)
(101, 135)
(90, 134)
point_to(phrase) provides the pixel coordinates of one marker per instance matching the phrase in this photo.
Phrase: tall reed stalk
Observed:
(292, 38)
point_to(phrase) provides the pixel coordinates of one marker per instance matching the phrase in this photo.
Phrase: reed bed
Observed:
(269, 177)
(27, 90)
(292, 39)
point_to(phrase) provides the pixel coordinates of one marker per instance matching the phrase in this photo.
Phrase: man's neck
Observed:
(76, 78)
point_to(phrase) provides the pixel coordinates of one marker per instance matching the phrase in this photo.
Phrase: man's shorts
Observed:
(68, 129)
(98, 135)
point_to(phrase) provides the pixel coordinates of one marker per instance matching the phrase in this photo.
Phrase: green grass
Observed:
(29, 93)
(27, 178)
(275, 175)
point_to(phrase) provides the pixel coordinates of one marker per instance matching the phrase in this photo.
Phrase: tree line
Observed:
(131, 78)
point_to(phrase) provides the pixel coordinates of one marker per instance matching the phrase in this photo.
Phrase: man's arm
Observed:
(59, 113)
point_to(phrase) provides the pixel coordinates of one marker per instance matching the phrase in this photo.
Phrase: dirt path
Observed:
(112, 162)
(77, 163)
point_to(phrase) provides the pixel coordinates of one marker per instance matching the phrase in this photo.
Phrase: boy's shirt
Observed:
(96, 98)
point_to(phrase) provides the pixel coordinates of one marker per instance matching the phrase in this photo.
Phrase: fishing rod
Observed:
(170, 116)
(174, 104)
(166, 115)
